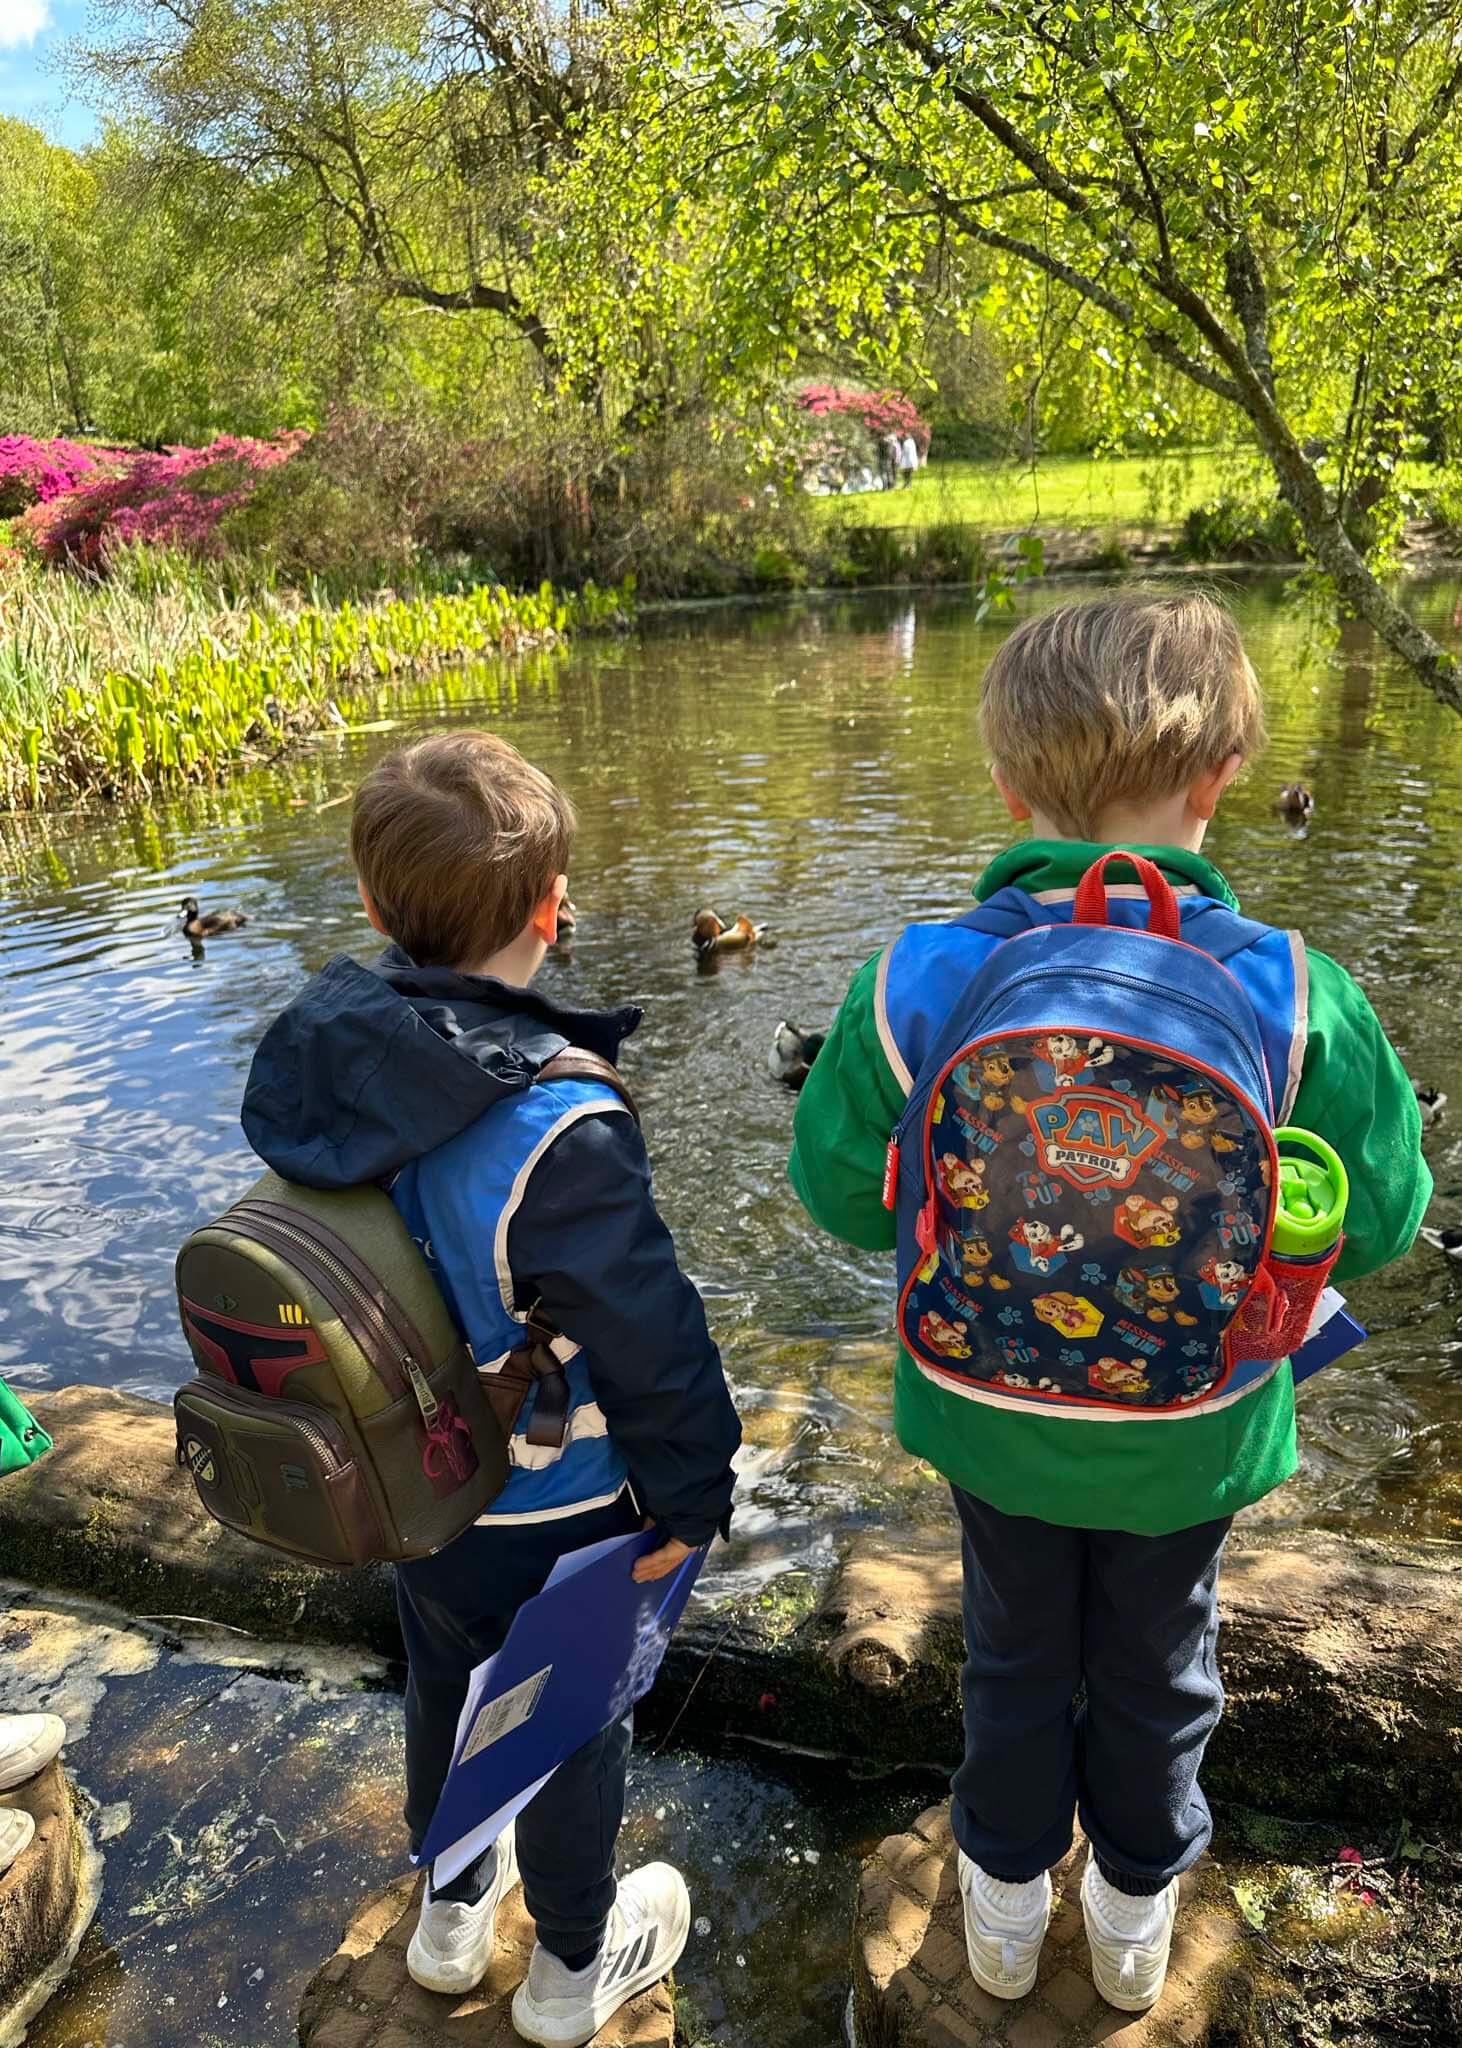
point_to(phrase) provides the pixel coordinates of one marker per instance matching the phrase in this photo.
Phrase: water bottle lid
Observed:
(1313, 1193)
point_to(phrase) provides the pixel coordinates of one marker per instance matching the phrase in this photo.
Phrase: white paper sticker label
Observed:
(508, 1711)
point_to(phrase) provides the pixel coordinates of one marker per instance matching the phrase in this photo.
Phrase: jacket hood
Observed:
(372, 1066)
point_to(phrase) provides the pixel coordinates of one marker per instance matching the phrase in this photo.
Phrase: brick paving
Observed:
(363, 1998)
(911, 1982)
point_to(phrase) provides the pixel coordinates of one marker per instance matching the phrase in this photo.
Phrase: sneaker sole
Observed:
(541, 2027)
(452, 1976)
(31, 1764)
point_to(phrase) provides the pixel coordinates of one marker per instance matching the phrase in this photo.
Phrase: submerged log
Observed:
(1342, 1657)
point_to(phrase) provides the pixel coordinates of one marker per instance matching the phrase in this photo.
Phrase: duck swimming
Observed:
(1431, 1102)
(709, 935)
(210, 923)
(1296, 802)
(1448, 1240)
(792, 1053)
(568, 922)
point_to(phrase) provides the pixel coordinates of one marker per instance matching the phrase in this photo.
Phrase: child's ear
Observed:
(368, 905)
(545, 918)
(1203, 795)
(1017, 806)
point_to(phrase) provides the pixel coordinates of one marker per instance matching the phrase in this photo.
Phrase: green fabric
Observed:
(1101, 1475)
(22, 1440)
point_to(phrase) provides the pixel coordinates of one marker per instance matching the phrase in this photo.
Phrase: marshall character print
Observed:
(1092, 1202)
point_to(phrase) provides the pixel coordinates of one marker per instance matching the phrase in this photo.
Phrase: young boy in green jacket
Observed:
(1092, 1527)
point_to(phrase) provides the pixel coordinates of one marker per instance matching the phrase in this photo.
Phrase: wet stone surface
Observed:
(912, 1983)
(244, 1797)
(40, 1894)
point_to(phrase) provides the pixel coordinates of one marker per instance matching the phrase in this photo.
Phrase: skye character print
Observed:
(1037, 1248)
(1072, 1314)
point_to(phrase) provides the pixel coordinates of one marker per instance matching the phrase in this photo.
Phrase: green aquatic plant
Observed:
(150, 681)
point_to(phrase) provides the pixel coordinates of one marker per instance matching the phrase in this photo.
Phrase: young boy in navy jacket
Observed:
(419, 1072)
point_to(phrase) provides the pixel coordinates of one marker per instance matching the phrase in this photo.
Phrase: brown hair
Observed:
(458, 839)
(1116, 700)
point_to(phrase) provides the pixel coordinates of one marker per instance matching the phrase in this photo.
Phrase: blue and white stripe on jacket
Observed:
(460, 1202)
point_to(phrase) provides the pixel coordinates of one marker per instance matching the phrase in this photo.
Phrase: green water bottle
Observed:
(1313, 1193)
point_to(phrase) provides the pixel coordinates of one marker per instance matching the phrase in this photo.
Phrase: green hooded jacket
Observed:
(1353, 1092)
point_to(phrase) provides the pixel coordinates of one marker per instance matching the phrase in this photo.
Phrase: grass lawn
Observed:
(1059, 490)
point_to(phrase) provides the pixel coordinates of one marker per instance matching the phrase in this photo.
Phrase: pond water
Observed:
(817, 767)
(245, 1799)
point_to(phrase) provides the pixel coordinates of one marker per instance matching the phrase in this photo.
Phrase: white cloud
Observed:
(21, 21)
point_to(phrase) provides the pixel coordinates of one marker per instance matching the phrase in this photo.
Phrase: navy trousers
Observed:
(456, 1608)
(1091, 1686)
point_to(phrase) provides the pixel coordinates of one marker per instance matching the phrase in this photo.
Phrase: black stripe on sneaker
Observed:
(632, 1957)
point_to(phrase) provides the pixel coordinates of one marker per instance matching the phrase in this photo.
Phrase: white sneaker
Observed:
(452, 1945)
(28, 1742)
(648, 1926)
(1130, 1938)
(17, 1831)
(1005, 1925)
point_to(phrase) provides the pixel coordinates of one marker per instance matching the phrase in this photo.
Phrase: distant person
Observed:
(908, 460)
(890, 454)
(418, 1073)
(1088, 1239)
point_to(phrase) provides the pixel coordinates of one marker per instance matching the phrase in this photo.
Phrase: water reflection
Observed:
(816, 767)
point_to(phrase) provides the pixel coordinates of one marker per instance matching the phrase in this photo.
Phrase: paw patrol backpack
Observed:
(1085, 1175)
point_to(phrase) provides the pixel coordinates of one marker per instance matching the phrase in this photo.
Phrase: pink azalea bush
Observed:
(175, 499)
(881, 412)
(36, 472)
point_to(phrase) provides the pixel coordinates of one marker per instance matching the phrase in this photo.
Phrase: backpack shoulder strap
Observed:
(576, 1064)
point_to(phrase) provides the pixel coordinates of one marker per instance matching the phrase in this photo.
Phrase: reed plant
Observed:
(169, 671)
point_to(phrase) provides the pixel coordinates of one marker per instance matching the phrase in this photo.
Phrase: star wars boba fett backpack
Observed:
(337, 1413)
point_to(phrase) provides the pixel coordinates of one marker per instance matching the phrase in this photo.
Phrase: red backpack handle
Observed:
(1162, 905)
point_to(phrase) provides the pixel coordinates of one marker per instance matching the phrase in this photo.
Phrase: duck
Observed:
(568, 922)
(1431, 1102)
(709, 935)
(208, 924)
(1448, 1240)
(792, 1053)
(1296, 802)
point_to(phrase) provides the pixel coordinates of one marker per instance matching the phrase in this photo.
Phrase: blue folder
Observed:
(577, 1657)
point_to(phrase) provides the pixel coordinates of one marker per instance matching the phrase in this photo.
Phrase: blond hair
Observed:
(458, 840)
(1118, 700)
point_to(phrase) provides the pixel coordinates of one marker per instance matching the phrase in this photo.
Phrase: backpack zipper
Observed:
(329, 1454)
(412, 1378)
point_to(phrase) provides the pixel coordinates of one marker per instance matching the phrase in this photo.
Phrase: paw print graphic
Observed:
(1011, 1317)
(1193, 1349)
(1230, 1186)
(1120, 1084)
(1072, 1360)
(1098, 1196)
(1028, 1147)
(1092, 1274)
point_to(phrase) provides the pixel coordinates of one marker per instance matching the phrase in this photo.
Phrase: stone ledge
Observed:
(363, 1997)
(912, 1986)
(1342, 1658)
(38, 1893)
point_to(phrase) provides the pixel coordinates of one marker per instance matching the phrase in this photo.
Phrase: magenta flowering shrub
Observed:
(881, 412)
(175, 499)
(35, 472)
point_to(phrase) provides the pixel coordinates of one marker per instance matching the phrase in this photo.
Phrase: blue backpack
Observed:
(1084, 1175)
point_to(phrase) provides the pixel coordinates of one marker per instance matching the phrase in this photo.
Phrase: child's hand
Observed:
(659, 1564)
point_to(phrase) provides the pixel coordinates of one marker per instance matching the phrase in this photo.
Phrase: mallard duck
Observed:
(709, 935)
(210, 923)
(1431, 1102)
(793, 1052)
(1296, 802)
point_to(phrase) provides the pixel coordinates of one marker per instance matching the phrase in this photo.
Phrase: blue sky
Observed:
(32, 88)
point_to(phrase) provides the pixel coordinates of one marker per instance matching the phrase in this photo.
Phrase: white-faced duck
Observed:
(792, 1053)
